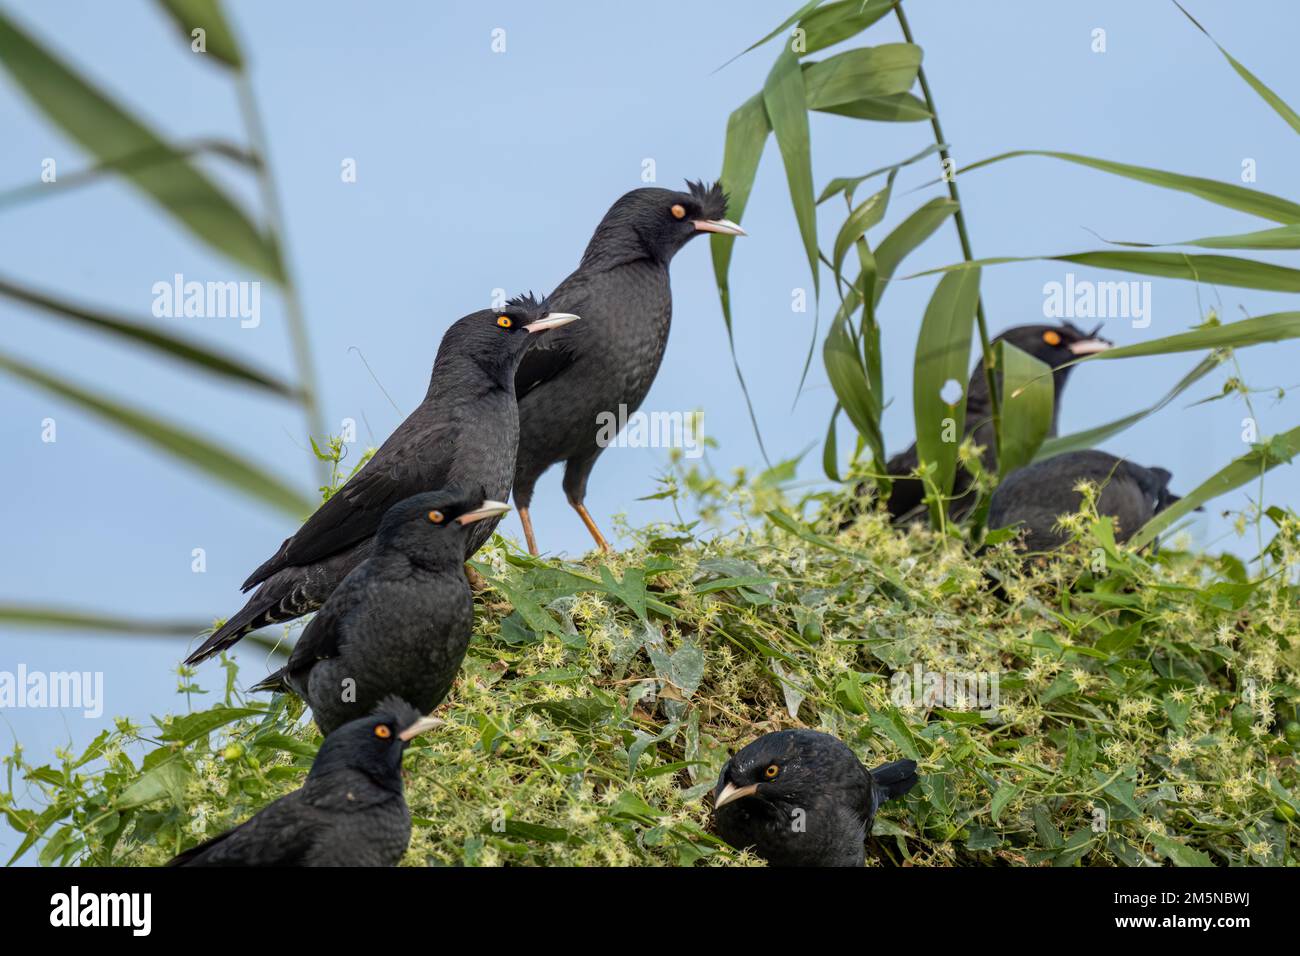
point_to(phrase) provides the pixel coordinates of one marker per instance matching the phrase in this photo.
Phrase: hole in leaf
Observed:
(951, 391)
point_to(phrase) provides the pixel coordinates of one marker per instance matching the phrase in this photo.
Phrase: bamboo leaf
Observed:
(1259, 330)
(32, 615)
(848, 378)
(850, 76)
(226, 467)
(837, 22)
(1278, 450)
(1223, 194)
(830, 448)
(895, 108)
(789, 21)
(163, 343)
(907, 236)
(849, 184)
(1220, 270)
(219, 39)
(867, 215)
(1280, 237)
(107, 131)
(1092, 437)
(942, 355)
(1028, 395)
(1272, 99)
(783, 97)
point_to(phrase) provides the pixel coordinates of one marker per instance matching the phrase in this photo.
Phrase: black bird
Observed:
(802, 798)
(350, 812)
(622, 292)
(400, 622)
(464, 433)
(1037, 495)
(1054, 345)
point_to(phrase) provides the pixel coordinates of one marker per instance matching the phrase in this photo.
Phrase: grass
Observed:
(1145, 712)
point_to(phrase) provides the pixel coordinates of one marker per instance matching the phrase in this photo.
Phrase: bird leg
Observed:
(528, 531)
(579, 507)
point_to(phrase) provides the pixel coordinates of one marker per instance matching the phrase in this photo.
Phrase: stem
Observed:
(275, 228)
(959, 220)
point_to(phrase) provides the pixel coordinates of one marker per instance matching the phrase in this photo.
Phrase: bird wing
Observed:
(320, 638)
(411, 461)
(280, 835)
(546, 359)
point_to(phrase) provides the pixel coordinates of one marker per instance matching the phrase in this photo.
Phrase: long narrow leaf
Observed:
(783, 96)
(848, 184)
(942, 355)
(1259, 330)
(1027, 398)
(907, 236)
(219, 39)
(789, 21)
(164, 343)
(1092, 437)
(837, 22)
(868, 71)
(1279, 237)
(33, 615)
(1278, 450)
(895, 108)
(226, 467)
(867, 215)
(1223, 194)
(107, 131)
(1272, 99)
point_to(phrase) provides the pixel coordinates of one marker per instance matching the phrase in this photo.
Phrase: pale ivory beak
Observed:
(420, 726)
(723, 226)
(731, 792)
(1089, 346)
(551, 320)
(488, 509)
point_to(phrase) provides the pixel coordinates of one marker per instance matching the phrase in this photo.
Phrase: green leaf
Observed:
(1259, 330)
(865, 72)
(1221, 270)
(783, 97)
(848, 378)
(108, 132)
(895, 108)
(785, 25)
(848, 184)
(1211, 190)
(837, 22)
(189, 727)
(165, 780)
(1279, 237)
(1262, 457)
(227, 467)
(907, 236)
(1269, 97)
(163, 343)
(867, 215)
(1092, 437)
(36, 615)
(830, 448)
(1027, 397)
(1179, 853)
(219, 40)
(943, 355)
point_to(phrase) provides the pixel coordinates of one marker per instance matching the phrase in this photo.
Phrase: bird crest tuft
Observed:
(394, 706)
(710, 197)
(526, 300)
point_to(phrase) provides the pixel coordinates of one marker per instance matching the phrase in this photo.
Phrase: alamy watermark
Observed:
(179, 299)
(651, 430)
(1084, 299)
(953, 690)
(82, 690)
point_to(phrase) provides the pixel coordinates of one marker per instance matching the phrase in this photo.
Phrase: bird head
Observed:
(374, 744)
(495, 339)
(1056, 345)
(654, 223)
(786, 768)
(430, 528)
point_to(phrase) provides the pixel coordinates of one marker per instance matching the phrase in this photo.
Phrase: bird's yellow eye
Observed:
(435, 517)
(1051, 338)
(678, 211)
(771, 771)
(504, 321)
(382, 732)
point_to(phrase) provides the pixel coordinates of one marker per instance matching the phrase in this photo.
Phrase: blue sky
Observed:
(480, 170)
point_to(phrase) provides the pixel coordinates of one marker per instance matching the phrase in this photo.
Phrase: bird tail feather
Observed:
(277, 682)
(895, 779)
(273, 603)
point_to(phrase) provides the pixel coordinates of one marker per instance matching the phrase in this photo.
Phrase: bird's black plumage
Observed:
(1054, 345)
(400, 622)
(621, 289)
(464, 433)
(802, 798)
(350, 811)
(1035, 496)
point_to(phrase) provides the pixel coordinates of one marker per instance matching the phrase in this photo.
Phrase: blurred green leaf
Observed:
(1269, 97)
(226, 467)
(783, 96)
(1092, 437)
(837, 22)
(853, 75)
(943, 355)
(33, 615)
(163, 343)
(1224, 194)
(107, 131)
(830, 448)
(219, 39)
(1027, 397)
(1266, 455)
